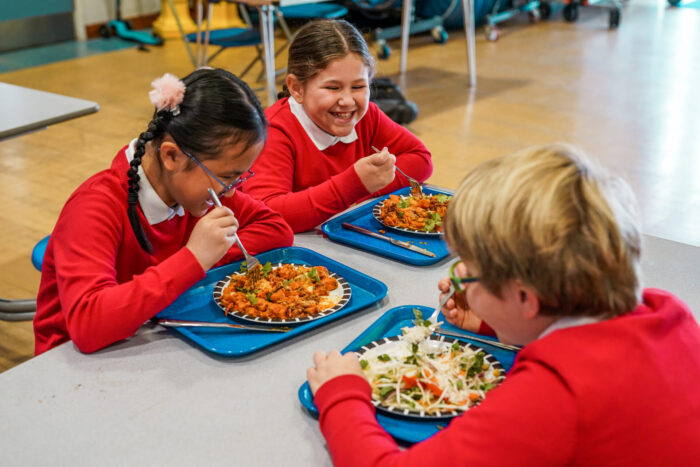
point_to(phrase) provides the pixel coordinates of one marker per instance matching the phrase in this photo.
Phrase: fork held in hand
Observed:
(416, 189)
(252, 263)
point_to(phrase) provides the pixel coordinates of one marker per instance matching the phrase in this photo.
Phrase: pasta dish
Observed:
(283, 292)
(424, 214)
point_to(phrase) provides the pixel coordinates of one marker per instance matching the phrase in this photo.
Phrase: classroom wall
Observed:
(28, 23)
(101, 11)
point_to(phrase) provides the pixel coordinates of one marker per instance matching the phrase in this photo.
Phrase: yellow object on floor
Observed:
(166, 23)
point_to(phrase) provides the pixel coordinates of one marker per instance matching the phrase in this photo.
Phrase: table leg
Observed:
(468, 11)
(405, 29)
(267, 31)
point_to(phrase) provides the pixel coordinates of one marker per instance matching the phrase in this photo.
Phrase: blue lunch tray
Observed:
(197, 304)
(389, 324)
(362, 217)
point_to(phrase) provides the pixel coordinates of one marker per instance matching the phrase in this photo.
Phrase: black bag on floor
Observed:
(388, 97)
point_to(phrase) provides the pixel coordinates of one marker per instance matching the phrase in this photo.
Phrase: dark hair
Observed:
(318, 43)
(217, 109)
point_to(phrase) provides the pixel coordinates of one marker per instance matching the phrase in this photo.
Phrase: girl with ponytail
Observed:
(320, 157)
(134, 237)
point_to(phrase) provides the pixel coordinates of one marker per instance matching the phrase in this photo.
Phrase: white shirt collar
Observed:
(154, 208)
(569, 322)
(320, 138)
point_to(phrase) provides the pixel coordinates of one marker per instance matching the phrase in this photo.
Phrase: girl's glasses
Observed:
(458, 281)
(228, 187)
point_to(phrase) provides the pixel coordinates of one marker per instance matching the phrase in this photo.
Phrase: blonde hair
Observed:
(549, 216)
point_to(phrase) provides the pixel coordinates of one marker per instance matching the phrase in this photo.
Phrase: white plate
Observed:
(341, 293)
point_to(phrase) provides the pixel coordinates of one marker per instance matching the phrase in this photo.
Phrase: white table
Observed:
(157, 400)
(23, 110)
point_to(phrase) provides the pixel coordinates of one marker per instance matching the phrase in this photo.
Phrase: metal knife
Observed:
(394, 241)
(174, 323)
(445, 332)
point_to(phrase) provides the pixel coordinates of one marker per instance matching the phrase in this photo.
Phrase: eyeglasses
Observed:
(458, 281)
(228, 187)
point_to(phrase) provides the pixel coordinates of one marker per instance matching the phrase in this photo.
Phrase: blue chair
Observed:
(232, 37)
(38, 252)
(24, 310)
(307, 12)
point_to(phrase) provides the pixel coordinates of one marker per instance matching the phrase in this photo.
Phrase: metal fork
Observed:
(416, 189)
(252, 264)
(447, 296)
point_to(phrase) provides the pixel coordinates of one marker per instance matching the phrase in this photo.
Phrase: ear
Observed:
(527, 299)
(295, 87)
(171, 157)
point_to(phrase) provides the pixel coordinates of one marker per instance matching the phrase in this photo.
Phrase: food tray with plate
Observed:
(409, 429)
(197, 304)
(341, 295)
(363, 216)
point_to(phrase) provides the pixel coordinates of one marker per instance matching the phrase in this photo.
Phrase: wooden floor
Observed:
(625, 96)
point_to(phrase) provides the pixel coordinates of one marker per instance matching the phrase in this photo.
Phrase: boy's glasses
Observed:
(228, 187)
(458, 281)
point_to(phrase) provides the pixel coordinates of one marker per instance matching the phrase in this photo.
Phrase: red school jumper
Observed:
(98, 286)
(308, 186)
(622, 392)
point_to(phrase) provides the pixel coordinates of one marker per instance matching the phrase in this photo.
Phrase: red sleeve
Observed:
(411, 154)
(259, 228)
(485, 329)
(529, 420)
(304, 209)
(98, 310)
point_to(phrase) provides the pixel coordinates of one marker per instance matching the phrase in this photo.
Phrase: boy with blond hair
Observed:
(550, 259)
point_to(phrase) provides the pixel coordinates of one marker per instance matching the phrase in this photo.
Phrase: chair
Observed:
(304, 12)
(308, 12)
(223, 38)
(536, 10)
(374, 11)
(570, 11)
(24, 310)
(226, 38)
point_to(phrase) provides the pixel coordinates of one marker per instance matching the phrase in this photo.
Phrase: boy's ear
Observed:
(529, 303)
(170, 156)
(296, 89)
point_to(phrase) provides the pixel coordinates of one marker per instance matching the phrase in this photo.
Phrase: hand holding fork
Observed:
(252, 263)
(416, 189)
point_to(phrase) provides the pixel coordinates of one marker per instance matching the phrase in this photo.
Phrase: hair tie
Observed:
(168, 93)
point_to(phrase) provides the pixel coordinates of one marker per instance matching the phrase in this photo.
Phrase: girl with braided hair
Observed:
(134, 237)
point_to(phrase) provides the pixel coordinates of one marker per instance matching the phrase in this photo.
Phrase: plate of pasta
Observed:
(425, 376)
(284, 293)
(408, 213)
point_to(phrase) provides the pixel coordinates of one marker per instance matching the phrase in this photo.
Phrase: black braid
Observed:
(153, 132)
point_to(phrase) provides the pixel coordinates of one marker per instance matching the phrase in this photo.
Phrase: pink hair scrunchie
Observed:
(167, 94)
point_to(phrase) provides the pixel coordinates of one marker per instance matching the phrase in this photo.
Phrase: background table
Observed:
(157, 400)
(23, 110)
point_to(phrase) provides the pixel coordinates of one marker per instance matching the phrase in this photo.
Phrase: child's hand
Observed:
(212, 236)
(376, 170)
(456, 309)
(332, 365)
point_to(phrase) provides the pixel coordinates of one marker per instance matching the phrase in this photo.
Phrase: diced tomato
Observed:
(409, 381)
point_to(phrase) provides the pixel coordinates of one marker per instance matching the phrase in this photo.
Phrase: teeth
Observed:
(342, 114)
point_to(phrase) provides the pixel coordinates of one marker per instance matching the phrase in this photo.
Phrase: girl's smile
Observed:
(337, 97)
